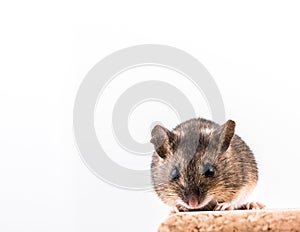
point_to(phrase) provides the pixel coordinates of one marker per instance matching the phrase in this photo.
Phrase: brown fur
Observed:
(190, 147)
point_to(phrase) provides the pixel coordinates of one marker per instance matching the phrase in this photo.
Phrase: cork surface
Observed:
(236, 220)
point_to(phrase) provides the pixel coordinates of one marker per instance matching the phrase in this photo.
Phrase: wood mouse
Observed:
(201, 165)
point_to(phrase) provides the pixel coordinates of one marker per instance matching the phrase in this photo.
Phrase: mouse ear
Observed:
(227, 132)
(162, 139)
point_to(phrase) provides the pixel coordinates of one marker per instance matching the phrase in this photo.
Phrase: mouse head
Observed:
(190, 162)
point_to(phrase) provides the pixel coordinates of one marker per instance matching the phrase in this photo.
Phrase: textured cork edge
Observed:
(236, 220)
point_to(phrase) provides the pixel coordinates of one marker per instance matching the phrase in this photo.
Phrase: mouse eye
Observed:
(175, 174)
(209, 170)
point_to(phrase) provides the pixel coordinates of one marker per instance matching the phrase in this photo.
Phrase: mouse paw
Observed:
(252, 205)
(174, 211)
(178, 209)
(223, 206)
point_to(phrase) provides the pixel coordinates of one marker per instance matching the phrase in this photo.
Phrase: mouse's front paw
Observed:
(178, 209)
(252, 205)
(223, 206)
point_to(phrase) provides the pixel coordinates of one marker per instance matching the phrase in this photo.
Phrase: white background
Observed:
(251, 49)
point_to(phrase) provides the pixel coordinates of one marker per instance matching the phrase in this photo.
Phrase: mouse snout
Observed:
(193, 201)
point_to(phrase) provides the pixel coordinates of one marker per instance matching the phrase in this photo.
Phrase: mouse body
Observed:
(201, 165)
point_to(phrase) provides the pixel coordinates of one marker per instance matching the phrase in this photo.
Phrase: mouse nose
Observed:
(193, 201)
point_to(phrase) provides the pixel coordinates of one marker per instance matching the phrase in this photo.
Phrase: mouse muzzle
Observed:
(193, 201)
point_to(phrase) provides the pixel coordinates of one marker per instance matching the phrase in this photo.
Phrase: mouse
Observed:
(202, 165)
